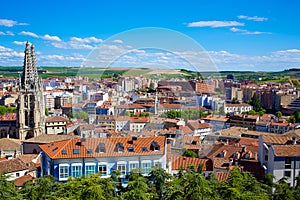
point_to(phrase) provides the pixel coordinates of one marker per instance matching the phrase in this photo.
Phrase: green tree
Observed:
(11, 109)
(278, 114)
(235, 101)
(252, 112)
(8, 189)
(292, 119)
(255, 103)
(242, 185)
(189, 153)
(159, 178)
(3, 110)
(137, 188)
(283, 191)
(174, 189)
(81, 115)
(46, 112)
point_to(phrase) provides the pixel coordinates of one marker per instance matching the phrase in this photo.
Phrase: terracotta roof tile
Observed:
(276, 139)
(56, 119)
(8, 117)
(222, 176)
(286, 150)
(19, 182)
(46, 138)
(10, 144)
(12, 165)
(65, 149)
(185, 162)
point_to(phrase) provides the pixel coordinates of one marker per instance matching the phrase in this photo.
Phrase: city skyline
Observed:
(238, 36)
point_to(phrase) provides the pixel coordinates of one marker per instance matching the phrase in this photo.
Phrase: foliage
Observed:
(278, 114)
(189, 153)
(7, 188)
(189, 184)
(255, 102)
(81, 115)
(46, 112)
(5, 109)
(295, 117)
(185, 114)
(235, 101)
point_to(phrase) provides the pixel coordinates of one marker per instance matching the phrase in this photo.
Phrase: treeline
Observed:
(157, 186)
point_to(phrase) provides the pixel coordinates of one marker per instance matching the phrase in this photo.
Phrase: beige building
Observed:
(56, 125)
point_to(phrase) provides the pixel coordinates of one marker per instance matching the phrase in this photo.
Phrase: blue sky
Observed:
(237, 35)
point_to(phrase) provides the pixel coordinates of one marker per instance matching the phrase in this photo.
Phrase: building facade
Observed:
(87, 156)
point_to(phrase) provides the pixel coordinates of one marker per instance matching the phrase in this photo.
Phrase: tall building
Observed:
(31, 108)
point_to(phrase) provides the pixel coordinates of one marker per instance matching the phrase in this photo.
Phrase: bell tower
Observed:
(31, 108)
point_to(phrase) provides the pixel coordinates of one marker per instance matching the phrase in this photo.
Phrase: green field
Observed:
(258, 77)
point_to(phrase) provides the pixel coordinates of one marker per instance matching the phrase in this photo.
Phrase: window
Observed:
(122, 168)
(146, 167)
(266, 157)
(17, 174)
(288, 163)
(75, 151)
(63, 172)
(101, 148)
(89, 170)
(287, 173)
(102, 169)
(76, 170)
(133, 165)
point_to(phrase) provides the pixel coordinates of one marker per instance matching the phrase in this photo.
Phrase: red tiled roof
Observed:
(19, 182)
(185, 162)
(276, 139)
(56, 119)
(8, 117)
(139, 119)
(12, 165)
(198, 125)
(222, 176)
(169, 106)
(287, 150)
(55, 150)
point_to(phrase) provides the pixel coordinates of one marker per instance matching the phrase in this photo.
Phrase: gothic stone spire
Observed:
(29, 77)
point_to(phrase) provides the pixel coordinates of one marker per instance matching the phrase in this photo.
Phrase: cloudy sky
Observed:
(232, 35)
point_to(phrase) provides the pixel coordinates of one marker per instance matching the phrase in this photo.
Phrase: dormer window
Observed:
(101, 148)
(154, 146)
(119, 147)
(130, 149)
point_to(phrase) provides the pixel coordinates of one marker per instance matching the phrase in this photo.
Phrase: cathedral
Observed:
(31, 109)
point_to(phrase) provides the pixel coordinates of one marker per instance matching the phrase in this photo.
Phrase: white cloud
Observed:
(246, 32)
(254, 18)
(7, 33)
(289, 51)
(118, 41)
(27, 33)
(10, 23)
(44, 37)
(50, 38)
(20, 43)
(86, 40)
(78, 43)
(215, 24)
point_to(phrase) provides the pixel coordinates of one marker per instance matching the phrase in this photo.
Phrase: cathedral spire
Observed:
(31, 106)
(29, 76)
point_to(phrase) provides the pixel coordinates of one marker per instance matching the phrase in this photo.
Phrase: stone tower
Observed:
(31, 108)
